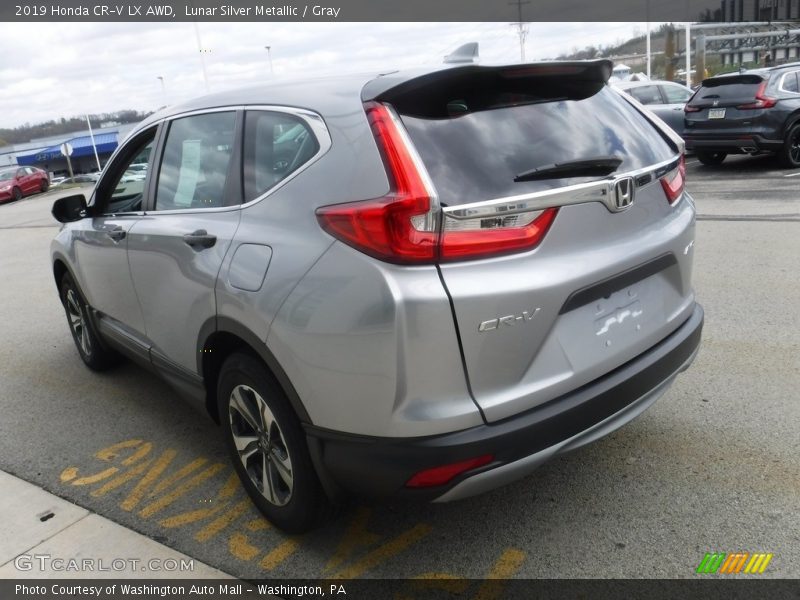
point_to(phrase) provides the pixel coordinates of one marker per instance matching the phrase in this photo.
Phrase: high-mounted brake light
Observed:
(446, 473)
(406, 226)
(674, 181)
(762, 101)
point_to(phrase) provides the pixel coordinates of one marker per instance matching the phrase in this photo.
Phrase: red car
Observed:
(21, 181)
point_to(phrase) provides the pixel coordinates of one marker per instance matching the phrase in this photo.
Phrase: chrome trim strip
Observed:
(315, 122)
(593, 191)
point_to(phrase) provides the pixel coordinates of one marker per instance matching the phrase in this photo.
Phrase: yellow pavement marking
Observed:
(280, 554)
(505, 567)
(219, 504)
(355, 536)
(222, 521)
(70, 473)
(384, 553)
(164, 501)
(121, 479)
(138, 492)
(180, 474)
(241, 548)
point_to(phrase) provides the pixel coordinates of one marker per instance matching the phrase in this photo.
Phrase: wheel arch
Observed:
(222, 336)
(792, 120)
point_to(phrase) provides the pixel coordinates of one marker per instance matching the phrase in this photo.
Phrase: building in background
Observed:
(770, 15)
(45, 153)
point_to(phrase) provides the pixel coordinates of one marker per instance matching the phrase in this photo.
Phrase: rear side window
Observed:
(676, 94)
(790, 83)
(275, 145)
(194, 167)
(476, 156)
(646, 94)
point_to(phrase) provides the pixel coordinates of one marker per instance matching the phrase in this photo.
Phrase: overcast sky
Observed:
(54, 70)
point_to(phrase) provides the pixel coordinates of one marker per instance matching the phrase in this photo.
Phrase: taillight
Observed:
(674, 181)
(406, 226)
(762, 101)
(445, 473)
(689, 109)
(399, 227)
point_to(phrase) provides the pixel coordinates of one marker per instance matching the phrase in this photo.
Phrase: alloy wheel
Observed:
(77, 322)
(261, 445)
(794, 148)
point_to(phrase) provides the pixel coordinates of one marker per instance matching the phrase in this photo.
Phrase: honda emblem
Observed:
(623, 193)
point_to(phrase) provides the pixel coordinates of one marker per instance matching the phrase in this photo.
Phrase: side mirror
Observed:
(69, 208)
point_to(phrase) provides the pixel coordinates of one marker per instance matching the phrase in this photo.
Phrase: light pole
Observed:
(94, 146)
(202, 52)
(269, 57)
(163, 89)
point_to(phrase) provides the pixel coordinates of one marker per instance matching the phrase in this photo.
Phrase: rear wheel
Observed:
(17, 193)
(92, 351)
(267, 446)
(790, 154)
(711, 158)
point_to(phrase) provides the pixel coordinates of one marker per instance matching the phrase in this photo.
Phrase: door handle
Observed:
(117, 234)
(200, 239)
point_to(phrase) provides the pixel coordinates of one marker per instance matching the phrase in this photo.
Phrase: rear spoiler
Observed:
(733, 79)
(426, 93)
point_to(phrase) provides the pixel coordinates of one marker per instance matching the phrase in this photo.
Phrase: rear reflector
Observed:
(674, 181)
(405, 226)
(446, 473)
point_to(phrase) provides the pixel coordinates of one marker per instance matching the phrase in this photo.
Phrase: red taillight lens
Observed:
(383, 227)
(444, 474)
(690, 109)
(674, 181)
(405, 226)
(762, 101)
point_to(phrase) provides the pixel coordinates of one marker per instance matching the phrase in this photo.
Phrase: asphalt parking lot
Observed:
(713, 466)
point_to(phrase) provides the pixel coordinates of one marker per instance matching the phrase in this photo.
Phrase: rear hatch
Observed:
(552, 283)
(726, 104)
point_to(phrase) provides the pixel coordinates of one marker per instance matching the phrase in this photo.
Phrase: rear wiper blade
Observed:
(597, 166)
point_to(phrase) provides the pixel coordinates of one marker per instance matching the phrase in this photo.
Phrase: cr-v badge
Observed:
(508, 320)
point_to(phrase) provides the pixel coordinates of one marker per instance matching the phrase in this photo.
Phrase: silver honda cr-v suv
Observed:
(418, 283)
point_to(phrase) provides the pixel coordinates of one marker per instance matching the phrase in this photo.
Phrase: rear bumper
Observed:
(376, 467)
(732, 145)
(379, 467)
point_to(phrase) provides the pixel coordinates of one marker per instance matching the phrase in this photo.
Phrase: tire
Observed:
(17, 194)
(257, 417)
(44, 186)
(711, 159)
(790, 153)
(92, 351)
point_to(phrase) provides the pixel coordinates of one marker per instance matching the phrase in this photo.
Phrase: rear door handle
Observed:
(117, 234)
(200, 239)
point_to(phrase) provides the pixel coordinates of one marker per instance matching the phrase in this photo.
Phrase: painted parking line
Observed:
(792, 174)
(159, 486)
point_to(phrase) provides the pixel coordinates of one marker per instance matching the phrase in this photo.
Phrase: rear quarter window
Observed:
(475, 156)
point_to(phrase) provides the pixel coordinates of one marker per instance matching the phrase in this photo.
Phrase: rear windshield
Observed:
(476, 156)
(734, 88)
